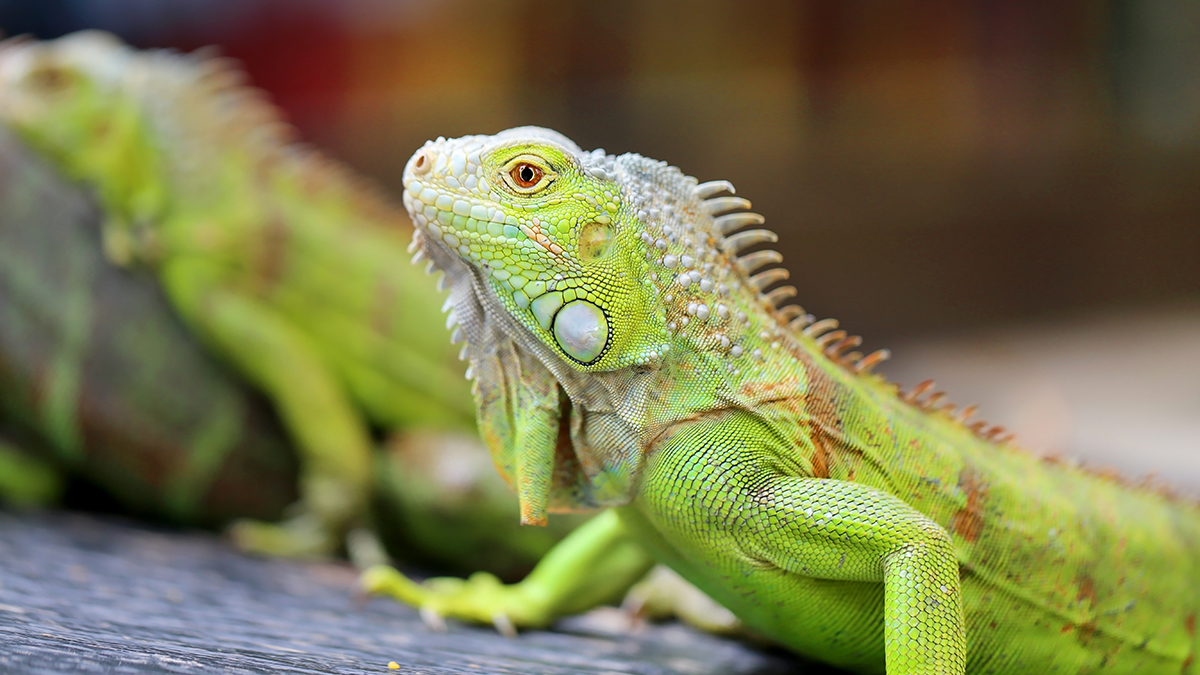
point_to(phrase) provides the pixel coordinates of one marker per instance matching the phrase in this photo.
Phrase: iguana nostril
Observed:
(422, 162)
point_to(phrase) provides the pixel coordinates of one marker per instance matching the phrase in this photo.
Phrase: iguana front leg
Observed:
(332, 439)
(595, 564)
(832, 529)
(770, 530)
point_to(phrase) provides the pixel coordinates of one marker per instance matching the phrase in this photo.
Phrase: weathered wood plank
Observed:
(85, 594)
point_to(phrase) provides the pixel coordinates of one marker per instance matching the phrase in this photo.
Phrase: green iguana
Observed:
(627, 354)
(277, 258)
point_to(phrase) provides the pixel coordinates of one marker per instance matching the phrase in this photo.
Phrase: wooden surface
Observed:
(80, 593)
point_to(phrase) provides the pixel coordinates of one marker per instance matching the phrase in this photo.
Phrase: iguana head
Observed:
(62, 94)
(608, 277)
(70, 98)
(553, 237)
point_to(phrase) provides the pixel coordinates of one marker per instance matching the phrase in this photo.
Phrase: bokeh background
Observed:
(1007, 192)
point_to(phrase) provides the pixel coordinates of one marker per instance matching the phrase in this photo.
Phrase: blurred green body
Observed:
(98, 378)
(102, 383)
(283, 263)
(636, 362)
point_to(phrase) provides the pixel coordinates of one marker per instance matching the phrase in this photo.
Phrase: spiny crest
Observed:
(730, 215)
(200, 107)
(237, 114)
(935, 403)
(1147, 483)
(748, 273)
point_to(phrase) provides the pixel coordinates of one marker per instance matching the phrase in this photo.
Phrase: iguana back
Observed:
(1091, 570)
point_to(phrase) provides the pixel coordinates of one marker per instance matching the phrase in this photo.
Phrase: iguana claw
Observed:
(432, 619)
(504, 625)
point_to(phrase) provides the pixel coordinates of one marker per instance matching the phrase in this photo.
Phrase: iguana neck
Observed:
(723, 333)
(729, 345)
(767, 362)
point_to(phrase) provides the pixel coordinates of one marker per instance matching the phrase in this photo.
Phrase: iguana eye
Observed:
(526, 175)
(50, 79)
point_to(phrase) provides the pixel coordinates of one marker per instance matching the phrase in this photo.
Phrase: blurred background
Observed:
(1005, 192)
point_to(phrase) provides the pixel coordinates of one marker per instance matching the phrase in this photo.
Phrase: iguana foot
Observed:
(481, 599)
(314, 527)
(26, 480)
(596, 564)
(303, 536)
(663, 594)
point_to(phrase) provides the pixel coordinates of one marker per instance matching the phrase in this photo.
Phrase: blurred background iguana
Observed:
(286, 266)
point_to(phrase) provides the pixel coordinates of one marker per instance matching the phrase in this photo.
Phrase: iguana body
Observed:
(274, 256)
(99, 380)
(624, 356)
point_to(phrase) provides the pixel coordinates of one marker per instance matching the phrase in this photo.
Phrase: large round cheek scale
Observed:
(581, 330)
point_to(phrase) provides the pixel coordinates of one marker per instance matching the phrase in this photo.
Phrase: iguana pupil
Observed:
(527, 175)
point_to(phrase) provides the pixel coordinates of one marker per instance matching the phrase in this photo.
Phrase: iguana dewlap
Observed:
(628, 353)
